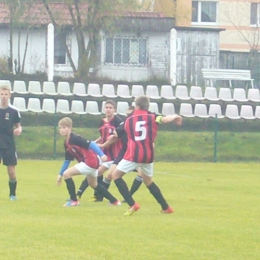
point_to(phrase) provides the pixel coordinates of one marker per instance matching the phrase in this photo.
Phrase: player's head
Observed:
(142, 102)
(65, 126)
(66, 122)
(5, 94)
(110, 108)
(130, 110)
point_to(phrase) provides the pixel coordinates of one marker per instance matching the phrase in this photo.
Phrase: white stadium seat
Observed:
(200, 110)
(94, 90)
(48, 88)
(215, 110)
(20, 87)
(79, 89)
(181, 92)
(34, 105)
(167, 92)
(186, 110)
(77, 107)
(246, 112)
(63, 106)
(196, 93)
(123, 91)
(63, 89)
(152, 92)
(20, 104)
(48, 105)
(34, 88)
(232, 112)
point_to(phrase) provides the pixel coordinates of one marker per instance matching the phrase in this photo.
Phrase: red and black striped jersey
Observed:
(141, 128)
(106, 129)
(77, 147)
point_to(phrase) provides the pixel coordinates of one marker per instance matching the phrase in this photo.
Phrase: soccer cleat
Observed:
(71, 203)
(78, 197)
(169, 210)
(132, 209)
(12, 197)
(116, 203)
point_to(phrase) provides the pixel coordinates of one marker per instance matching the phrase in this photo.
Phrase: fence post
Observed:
(55, 136)
(215, 138)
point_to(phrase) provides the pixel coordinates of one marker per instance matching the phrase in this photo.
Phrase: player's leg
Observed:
(68, 174)
(147, 173)
(92, 180)
(123, 167)
(10, 161)
(137, 182)
(97, 197)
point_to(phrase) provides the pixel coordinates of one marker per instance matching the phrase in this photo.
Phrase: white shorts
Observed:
(127, 166)
(107, 164)
(86, 170)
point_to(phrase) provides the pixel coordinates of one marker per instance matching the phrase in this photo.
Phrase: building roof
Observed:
(36, 14)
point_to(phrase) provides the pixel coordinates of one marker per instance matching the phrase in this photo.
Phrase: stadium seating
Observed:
(20, 87)
(123, 91)
(239, 94)
(94, 90)
(225, 94)
(63, 106)
(181, 92)
(34, 105)
(215, 110)
(168, 109)
(48, 105)
(186, 110)
(137, 90)
(92, 108)
(257, 112)
(154, 107)
(34, 88)
(200, 110)
(232, 111)
(167, 92)
(48, 88)
(20, 104)
(63, 89)
(79, 89)
(246, 112)
(253, 94)
(196, 93)
(108, 90)
(211, 94)
(152, 92)
(77, 107)
(122, 106)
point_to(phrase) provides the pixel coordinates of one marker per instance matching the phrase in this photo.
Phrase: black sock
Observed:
(71, 188)
(105, 193)
(136, 184)
(82, 187)
(12, 187)
(123, 189)
(154, 189)
(96, 193)
(106, 183)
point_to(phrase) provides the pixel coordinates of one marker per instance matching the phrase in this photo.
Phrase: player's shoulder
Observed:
(12, 107)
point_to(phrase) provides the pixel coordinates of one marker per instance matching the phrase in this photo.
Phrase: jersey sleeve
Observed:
(120, 130)
(80, 141)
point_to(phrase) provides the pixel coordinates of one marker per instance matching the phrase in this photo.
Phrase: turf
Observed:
(216, 216)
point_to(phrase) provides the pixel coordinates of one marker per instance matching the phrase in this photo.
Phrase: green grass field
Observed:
(216, 216)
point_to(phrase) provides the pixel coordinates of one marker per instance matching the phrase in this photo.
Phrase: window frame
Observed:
(256, 8)
(123, 49)
(199, 12)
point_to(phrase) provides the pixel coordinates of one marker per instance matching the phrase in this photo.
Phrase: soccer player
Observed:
(10, 126)
(106, 128)
(112, 139)
(86, 153)
(141, 128)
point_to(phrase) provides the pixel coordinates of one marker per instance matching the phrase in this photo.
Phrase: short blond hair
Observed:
(5, 87)
(143, 102)
(66, 121)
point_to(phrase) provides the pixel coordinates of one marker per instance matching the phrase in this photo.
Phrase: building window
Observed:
(255, 14)
(59, 48)
(204, 12)
(126, 51)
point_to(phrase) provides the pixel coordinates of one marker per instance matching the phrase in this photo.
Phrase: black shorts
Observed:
(9, 156)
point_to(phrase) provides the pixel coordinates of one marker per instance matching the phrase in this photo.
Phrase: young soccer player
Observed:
(85, 152)
(106, 128)
(111, 140)
(141, 128)
(10, 126)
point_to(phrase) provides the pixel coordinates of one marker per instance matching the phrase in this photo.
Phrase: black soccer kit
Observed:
(9, 116)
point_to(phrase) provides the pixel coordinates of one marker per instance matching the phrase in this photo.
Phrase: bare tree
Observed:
(88, 18)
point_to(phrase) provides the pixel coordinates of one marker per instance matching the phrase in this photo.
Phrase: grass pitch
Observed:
(216, 216)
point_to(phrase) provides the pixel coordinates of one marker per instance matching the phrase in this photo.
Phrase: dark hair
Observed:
(143, 102)
(112, 102)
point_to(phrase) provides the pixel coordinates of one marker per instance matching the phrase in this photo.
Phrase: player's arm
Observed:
(98, 140)
(94, 147)
(110, 140)
(18, 129)
(169, 118)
